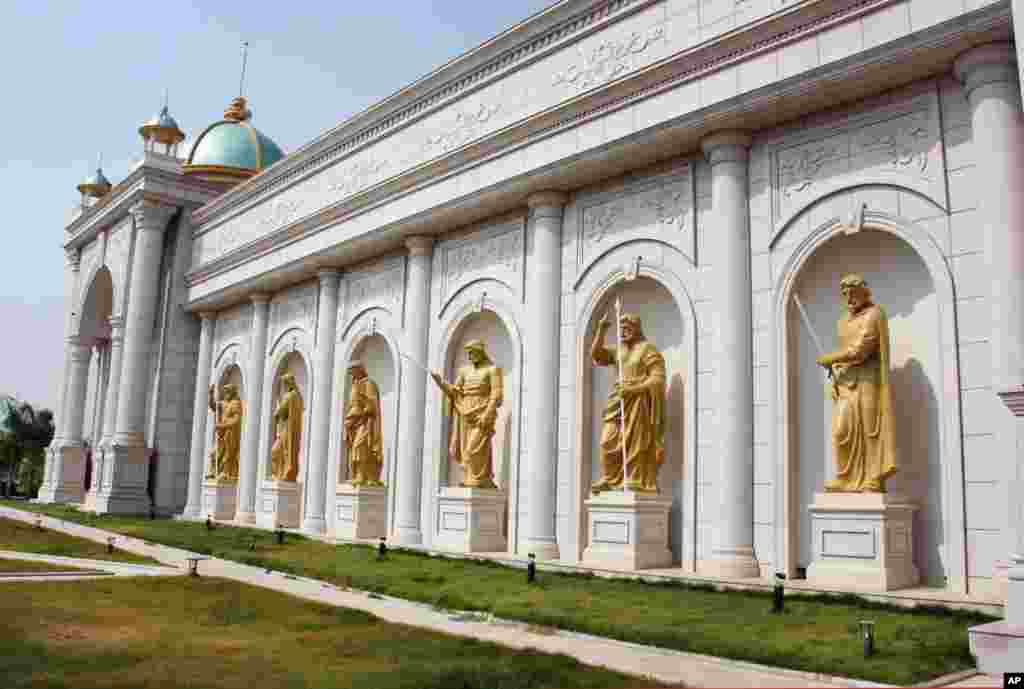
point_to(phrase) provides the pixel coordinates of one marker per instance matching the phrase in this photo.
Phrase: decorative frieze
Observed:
(345, 180)
(662, 209)
(383, 286)
(280, 212)
(466, 126)
(899, 144)
(608, 59)
(495, 252)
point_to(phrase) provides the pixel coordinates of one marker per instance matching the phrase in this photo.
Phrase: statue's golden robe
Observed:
(862, 420)
(284, 455)
(363, 436)
(229, 436)
(475, 392)
(644, 365)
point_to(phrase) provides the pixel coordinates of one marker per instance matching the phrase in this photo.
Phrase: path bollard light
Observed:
(777, 601)
(152, 512)
(252, 544)
(867, 628)
(531, 569)
(110, 544)
(209, 524)
(193, 566)
(280, 535)
(39, 523)
(382, 548)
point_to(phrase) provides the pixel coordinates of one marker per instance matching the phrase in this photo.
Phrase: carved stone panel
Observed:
(118, 250)
(598, 62)
(662, 208)
(460, 129)
(382, 285)
(495, 252)
(295, 307)
(899, 144)
(231, 324)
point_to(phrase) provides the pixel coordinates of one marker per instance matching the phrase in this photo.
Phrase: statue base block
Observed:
(278, 505)
(219, 498)
(361, 512)
(68, 486)
(471, 520)
(628, 530)
(862, 542)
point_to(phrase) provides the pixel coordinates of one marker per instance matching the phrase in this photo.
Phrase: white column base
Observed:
(408, 536)
(361, 512)
(278, 505)
(862, 542)
(627, 530)
(68, 487)
(129, 469)
(219, 498)
(245, 518)
(471, 520)
(542, 550)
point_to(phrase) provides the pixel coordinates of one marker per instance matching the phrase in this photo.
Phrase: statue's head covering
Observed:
(478, 346)
(853, 280)
(288, 378)
(356, 363)
(632, 320)
(231, 388)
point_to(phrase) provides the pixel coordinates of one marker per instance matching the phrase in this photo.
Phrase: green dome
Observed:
(232, 148)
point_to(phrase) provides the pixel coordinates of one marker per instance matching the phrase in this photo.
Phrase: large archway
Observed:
(94, 328)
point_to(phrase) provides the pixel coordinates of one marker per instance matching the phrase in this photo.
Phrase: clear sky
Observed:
(80, 78)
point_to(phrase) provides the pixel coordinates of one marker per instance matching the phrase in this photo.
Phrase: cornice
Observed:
(702, 60)
(538, 36)
(145, 183)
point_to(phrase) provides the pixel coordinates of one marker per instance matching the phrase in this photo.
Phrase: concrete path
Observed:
(643, 661)
(105, 568)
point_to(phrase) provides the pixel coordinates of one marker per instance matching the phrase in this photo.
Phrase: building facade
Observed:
(705, 163)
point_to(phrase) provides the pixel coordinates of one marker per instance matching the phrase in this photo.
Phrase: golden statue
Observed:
(473, 399)
(228, 431)
(639, 398)
(284, 455)
(862, 418)
(363, 436)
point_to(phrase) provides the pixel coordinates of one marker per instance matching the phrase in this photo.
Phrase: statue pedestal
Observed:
(278, 505)
(471, 520)
(219, 498)
(628, 530)
(361, 512)
(862, 541)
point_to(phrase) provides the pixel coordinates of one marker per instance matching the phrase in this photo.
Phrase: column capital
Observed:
(259, 298)
(541, 200)
(419, 245)
(207, 316)
(992, 63)
(731, 146)
(151, 215)
(328, 277)
(73, 258)
(81, 348)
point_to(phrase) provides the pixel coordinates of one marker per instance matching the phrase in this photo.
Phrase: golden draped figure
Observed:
(228, 432)
(363, 437)
(642, 396)
(474, 400)
(863, 439)
(284, 455)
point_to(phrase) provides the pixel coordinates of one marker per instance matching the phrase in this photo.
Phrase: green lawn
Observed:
(816, 634)
(9, 567)
(210, 633)
(27, 538)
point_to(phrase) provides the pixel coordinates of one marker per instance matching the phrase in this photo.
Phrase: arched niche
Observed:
(663, 326)
(293, 362)
(92, 324)
(227, 371)
(909, 277)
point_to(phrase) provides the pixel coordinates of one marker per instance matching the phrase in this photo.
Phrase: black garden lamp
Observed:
(531, 569)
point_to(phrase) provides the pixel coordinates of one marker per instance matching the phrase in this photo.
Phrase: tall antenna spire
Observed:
(166, 97)
(245, 56)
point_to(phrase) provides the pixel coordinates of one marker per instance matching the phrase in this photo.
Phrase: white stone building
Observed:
(724, 154)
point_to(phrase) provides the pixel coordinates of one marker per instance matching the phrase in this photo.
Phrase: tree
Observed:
(24, 435)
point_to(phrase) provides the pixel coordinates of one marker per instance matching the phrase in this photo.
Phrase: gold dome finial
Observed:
(237, 111)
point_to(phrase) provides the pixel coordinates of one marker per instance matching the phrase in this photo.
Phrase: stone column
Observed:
(412, 404)
(200, 412)
(113, 388)
(543, 306)
(323, 400)
(249, 461)
(127, 461)
(990, 77)
(150, 220)
(732, 553)
(67, 463)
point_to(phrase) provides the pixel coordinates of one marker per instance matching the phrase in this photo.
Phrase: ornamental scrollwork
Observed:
(608, 59)
(599, 222)
(798, 172)
(356, 177)
(467, 126)
(280, 212)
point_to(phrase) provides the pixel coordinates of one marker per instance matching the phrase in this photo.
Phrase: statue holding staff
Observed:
(229, 434)
(863, 437)
(633, 431)
(284, 455)
(473, 401)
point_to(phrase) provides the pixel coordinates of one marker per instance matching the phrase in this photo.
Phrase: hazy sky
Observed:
(81, 77)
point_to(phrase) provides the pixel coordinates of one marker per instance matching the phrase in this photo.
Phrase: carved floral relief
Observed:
(495, 253)
(280, 212)
(608, 59)
(347, 180)
(466, 126)
(383, 286)
(294, 307)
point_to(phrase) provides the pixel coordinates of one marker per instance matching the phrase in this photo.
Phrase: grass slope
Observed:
(27, 538)
(218, 634)
(815, 634)
(11, 567)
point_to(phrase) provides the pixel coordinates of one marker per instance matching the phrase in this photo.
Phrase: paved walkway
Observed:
(660, 664)
(96, 569)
